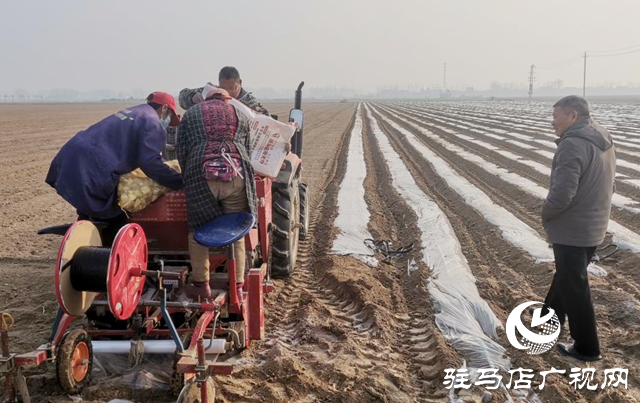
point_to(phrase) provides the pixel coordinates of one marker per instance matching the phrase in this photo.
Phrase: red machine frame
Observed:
(169, 212)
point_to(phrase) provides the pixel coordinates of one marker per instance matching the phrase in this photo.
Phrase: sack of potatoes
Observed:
(136, 191)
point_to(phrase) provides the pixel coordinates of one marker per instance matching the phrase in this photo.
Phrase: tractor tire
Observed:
(305, 212)
(74, 361)
(286, 231)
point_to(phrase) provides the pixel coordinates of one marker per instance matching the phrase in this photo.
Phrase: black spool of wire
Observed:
(89, 268)
(85, 269)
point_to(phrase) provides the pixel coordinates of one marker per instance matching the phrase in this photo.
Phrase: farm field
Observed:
(462, 181)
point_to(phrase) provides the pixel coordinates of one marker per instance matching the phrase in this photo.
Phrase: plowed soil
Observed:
(338, 330)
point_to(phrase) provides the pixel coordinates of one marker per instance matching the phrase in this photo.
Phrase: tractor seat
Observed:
(56, 230)
(224, 230)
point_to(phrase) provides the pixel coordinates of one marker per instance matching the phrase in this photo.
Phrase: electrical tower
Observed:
(531, 79)
(444, 79)
(445, 93)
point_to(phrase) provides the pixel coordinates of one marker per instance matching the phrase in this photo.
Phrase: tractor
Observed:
(129, 298)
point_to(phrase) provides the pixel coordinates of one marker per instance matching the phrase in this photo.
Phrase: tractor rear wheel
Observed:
(286, 229)
(74, 361)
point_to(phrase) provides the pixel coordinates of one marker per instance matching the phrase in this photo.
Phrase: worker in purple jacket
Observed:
(87, 169)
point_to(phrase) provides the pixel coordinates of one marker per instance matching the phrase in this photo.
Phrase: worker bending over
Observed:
(87, 169)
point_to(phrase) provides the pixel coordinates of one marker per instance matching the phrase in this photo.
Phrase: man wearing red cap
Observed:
(87, 169)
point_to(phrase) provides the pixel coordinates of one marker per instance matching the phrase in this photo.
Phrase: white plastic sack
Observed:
(268, 139)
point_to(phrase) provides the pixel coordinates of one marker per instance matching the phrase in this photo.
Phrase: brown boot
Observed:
(197, 289)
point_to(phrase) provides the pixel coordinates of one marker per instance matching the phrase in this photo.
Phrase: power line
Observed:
(576, 58)
(614, 50)
(571, 63)
(617, 54)
(599, 53)
(584, 82)
(561, 62)
(561, 65)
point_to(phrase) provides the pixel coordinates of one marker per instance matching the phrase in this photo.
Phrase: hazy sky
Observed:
(159, 44)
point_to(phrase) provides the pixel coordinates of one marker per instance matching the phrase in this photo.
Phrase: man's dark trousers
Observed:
(113, 226)
(570, 295)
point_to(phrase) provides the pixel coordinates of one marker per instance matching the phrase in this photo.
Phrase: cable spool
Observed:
(88, 269)
(84, 269)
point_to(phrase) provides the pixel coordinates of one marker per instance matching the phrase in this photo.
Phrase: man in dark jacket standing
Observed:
(575, 216)
(87, 169)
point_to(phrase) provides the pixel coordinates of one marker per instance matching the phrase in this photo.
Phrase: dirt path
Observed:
(347, 332)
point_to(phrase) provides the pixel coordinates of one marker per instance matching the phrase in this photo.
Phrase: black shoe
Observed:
(568, 350)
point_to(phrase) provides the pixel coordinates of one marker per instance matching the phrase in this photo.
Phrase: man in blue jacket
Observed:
(87, 169)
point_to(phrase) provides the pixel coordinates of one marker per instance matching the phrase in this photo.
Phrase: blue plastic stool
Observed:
(224, 230)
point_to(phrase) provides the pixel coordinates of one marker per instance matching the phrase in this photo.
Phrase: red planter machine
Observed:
(129, 298)
(131, 292)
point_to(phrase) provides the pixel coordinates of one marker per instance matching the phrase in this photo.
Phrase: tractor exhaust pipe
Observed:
(298, 101)
(296, 143)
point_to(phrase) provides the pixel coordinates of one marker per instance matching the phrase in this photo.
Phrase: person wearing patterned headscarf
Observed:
(213, 151)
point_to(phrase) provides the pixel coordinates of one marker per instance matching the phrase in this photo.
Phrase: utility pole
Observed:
(531, 78)
(444, 79)
(584, 77)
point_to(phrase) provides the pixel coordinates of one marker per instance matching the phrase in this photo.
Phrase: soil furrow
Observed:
(630, 219)
(613, 326)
